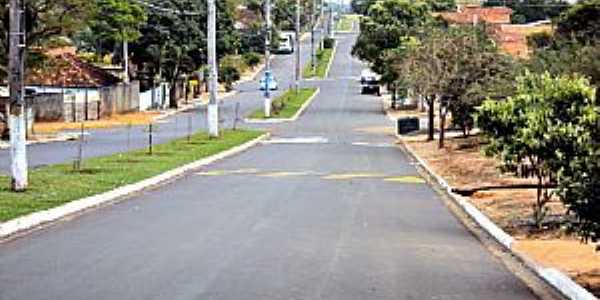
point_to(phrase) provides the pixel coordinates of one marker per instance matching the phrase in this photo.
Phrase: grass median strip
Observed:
(323, 58)
(55, 185)
(287, 105)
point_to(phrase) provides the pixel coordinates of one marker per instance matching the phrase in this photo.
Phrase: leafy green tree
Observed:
(581, 21)
(113, 22)
(460, 66)
(526, 11)
(173, 44)
(536, 132)
(568, 57)
(361, 7)
(45, 20)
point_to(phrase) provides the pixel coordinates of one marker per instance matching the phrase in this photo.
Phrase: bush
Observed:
(251, 59)
(545, 132)
(228, 75)
(328, 43)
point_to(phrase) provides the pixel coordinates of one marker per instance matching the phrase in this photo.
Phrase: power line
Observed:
(167, 10)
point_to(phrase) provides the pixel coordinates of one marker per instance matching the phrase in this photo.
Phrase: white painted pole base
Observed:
(18, 151)
(213, 120)
(268, 103)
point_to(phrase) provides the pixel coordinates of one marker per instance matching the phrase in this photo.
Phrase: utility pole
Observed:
(267, 103)
(16, 119)
(213, 107)
(297, 73)
(312, 35)
(322, 17)
(125, 61)
(331, 34)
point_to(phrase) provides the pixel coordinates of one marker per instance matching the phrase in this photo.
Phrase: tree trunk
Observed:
(173, 95)
(442, 127)
(431, 131)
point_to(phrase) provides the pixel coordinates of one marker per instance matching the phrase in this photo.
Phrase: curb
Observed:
(292, 119)
(555, 278)
(37, 219)
(63, 137)
(333, 52)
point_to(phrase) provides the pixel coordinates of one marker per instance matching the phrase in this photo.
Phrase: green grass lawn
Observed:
(55, 185)
(345, 23)
(323, 58)
(288, 104)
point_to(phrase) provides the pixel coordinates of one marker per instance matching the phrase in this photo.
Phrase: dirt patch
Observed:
(576, 259)
(138, 118)
(462, 164)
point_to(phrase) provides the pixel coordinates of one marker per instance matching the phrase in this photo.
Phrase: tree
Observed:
(361, 7)
(568, 56)
(536, 132)
(45, 20)
(526, 11)
(116, 21)
(460, 66)
(386, 29)
(581, 21)
(173, 43)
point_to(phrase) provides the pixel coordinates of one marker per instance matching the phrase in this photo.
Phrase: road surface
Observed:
(328, 208)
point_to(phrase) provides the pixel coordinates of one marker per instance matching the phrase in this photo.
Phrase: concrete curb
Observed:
(62, 137)
(292, 119)
(333, 52)
(37, 219)
(555, 278)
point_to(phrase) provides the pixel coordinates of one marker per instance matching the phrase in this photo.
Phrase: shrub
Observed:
(235, 61)
(328, 43)
(251, 59)
(542, 132)
(228, 75)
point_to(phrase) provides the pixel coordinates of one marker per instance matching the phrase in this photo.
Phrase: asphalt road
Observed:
(101, 142)
(327, 209)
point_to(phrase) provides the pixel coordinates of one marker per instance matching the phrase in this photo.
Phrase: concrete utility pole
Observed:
(125, 61)
(267, 103)
(313, 54)
(297, 74)
(331, 34)
(213, 107)
(322, 17)
(16, 118)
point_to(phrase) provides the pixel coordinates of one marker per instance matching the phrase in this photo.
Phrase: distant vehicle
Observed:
(369, 81)
(273, 85)
(286, 43)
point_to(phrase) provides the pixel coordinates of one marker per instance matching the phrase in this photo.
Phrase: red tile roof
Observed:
(476, 14)
(65, 69)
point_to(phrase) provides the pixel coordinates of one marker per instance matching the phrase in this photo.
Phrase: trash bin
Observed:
(407, 125)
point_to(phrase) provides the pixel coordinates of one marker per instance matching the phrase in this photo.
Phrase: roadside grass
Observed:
(323, 58)
(345, 23)
(287, 105)
(52, 186)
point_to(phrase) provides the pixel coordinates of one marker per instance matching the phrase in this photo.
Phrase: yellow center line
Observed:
(283, 174)
(405, 179)
(347, 176)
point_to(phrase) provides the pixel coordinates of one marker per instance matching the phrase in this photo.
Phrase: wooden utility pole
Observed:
(267, 102)
(16, 119)
(213, 106)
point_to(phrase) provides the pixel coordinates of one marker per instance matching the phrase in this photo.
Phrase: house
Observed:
(510, 38)
(86, 91)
